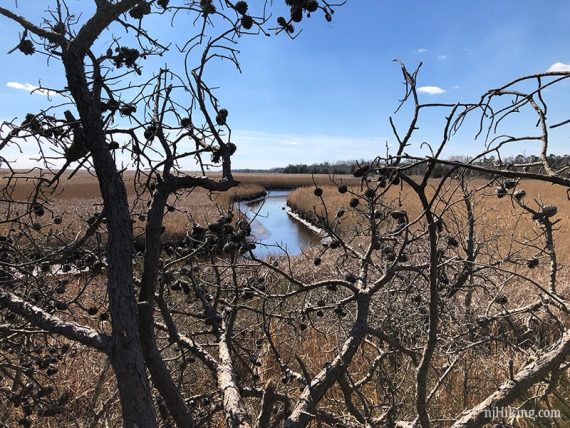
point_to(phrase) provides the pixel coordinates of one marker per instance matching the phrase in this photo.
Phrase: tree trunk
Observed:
(159, 372)
(126, 351)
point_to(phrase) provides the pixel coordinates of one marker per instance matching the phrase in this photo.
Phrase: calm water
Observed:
(272, 227)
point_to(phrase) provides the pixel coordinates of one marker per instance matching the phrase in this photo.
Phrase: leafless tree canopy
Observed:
(406, 319)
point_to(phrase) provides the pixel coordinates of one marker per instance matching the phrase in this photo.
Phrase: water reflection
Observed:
(273, 227)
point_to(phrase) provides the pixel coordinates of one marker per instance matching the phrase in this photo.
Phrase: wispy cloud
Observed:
(558, 66)
(28, 87)
(421, 50)
(431, 90)
(442, 57)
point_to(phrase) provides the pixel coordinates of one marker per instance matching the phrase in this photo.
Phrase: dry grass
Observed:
(494, 217)
(291, 181)
(77, 199)
(498, 222)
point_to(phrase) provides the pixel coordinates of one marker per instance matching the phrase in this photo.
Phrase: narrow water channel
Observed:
(273, 229)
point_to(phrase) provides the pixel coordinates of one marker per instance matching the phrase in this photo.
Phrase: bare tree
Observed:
(95, 91)
(403, 318)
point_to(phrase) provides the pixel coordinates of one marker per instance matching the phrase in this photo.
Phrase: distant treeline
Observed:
(349, 167)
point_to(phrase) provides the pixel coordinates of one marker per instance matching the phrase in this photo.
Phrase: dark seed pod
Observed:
(37, 226)
(170, 208)
(282, 21)
(186, 122)
(532, 262)
(140, 10)
(354, 202)
(342, 188)
(318, 192)
(320, 313)
(207, 7)
(57, 220)
(519, 194)
(502, 300)
(247, 22)
(340, 213)
(339, 311)
(104, 316)
(501, 192)
(241, 7)
(51, 371)
(549, 211)
(163, 3)
(370, 193)
(26, 47)
(38, 209)
(127, 110)
(317, 261)
(452, 242)
(220, 120)
(510, 184)
(398, 215)
(97, 267)
(92, 311)
(350, 278)
(150, 132)
(296, 14)
(312, 6)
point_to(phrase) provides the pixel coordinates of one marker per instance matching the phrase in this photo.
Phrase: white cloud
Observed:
(558, 67)
(442, 57)
(28, 87)
(421, 50)
(431, 90)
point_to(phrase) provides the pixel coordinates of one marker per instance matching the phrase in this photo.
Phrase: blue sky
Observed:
(327, 95)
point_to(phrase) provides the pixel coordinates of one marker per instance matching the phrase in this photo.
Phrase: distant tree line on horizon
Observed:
(350, 166)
